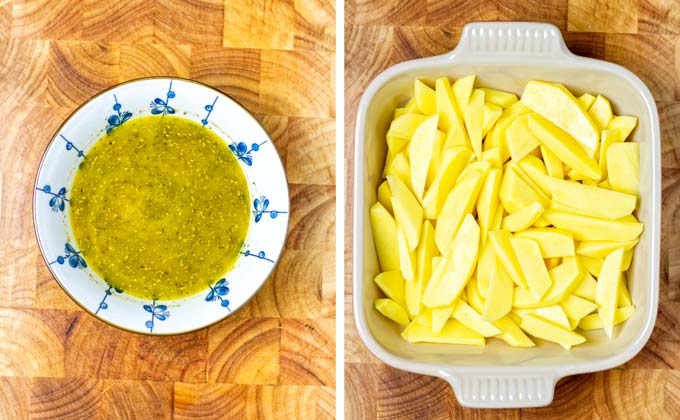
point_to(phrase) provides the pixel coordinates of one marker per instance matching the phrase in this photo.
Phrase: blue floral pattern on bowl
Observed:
(160, 97)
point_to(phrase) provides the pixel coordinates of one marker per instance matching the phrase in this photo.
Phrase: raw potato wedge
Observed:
(505, 217)
(555, 103)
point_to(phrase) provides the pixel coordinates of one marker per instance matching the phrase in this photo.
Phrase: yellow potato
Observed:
(450, 115)
(586, 288)
(586, 100)
(576, 307)
(485, 265)
(499, 98)
(436, 161)
(487, 203)
(452, 273)
(385, 196)
(453, 332)
(551, 263)
(400, 168)
(564, 146)
(473, 320)
(412, 106)
(623, 167)
(506, 256)
(565, 278)
(424, 257)
(552, 313)
(623, 124)
(499, 296)
(607, 292)
(420, 151)
(385, 237)
(512, 333)
(520, 140)
(407, 258)
(552, 242)
(474, 120)
(404, 126)
(462, 90)
(595, 201)
(425, 98)
(592, 265)
(608, 138)
(392, 310)
(600, 249)
(517, 192)
(407, 210)
(523, 218)
(593, 322)
(440, 316)
(398, 112)
(586, 228)
(459, 202)
(534, 168)
(532, 266)
(491, 114)
(624, 293)
(474, 299)
(497, 137)
(452, 165)
(556, 104)
(553, 164)
(549, 331)
(392, 285)
(601, 112)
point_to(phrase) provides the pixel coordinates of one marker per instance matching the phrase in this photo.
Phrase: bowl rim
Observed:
(40, 244)
(560, 56)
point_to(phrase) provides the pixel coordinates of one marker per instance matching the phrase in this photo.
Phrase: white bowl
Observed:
(250, 144)
(506, 56)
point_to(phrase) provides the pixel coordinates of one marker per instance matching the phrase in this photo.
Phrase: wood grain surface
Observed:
(642, 35)
(273, 359)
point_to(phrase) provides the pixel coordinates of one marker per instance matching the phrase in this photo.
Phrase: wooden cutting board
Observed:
(642, 35)
(272, 359)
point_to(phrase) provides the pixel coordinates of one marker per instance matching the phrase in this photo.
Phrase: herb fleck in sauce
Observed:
(160, 207)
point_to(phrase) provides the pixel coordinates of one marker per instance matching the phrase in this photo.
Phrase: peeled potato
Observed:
(505, 218)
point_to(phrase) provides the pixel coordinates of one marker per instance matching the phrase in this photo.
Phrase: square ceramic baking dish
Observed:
(506, 56)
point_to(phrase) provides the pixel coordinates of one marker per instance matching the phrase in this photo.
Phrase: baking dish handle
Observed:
(529, 39)
(503, 391)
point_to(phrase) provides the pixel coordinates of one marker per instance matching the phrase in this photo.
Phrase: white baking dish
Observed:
(506, 56)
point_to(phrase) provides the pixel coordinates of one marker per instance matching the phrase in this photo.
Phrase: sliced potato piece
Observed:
(517, 192)
(392, 285)
(601, 112)
(556, 104)
(594, 322)
(440, 316)
(553, 164)
(462, 90)
(507, 257)
(459, 202)
(600, 249)
(385, 196)
(392, 310)
(491, 114)
(402, 128)
(552, 313)
(450, 115)
(512, 333)
(552, 242)
(607, 292)
(453, 272)
(399, 167)
(453, 332)
(625, 125)
(452, 165)
(487, 203)
(499, 97)
(576, 307)
(549, 331)
(586, 100)
(586, 288)
(407, 210)
(523, 218)
(624, 293)
(623, 167)
(424, 259)
(499, 296)
(420, 152)
(586, 228)
(385, 237)
(474, 298)
(531, 262)
(592, 265)
(534, 168)
(473, 320)
(485, 265)
(565, 147)
(595, 201)
(520, 140)
(474, 120)
(407, 258)
(425, 98)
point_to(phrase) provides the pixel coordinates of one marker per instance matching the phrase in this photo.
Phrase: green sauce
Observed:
(160, 207)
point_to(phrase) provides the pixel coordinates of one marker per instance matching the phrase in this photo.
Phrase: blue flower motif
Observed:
(261, 255)
(159, 312)
(75, 260)
(71, 146)
(117, 119)
(218, 291)
(58, 200)
(209, 108)
(159, 106)
(260, 206)
(108, 292)
(243, 153)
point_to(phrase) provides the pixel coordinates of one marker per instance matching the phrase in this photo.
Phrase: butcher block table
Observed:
(274, 358)
(641, 35)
